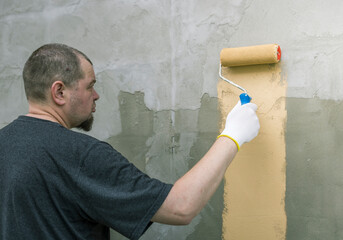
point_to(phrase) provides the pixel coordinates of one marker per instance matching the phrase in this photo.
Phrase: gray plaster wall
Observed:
(156, 63)
(314, 169)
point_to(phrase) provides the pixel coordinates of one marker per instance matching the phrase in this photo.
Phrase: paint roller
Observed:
(244, 56)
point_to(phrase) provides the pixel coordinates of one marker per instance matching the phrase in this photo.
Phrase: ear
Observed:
(58, 92)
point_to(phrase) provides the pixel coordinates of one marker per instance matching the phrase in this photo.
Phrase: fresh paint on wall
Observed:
(160, 58)
(255, 182)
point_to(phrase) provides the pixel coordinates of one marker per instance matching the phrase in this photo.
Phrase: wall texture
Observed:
(254, 190)
(156, 63)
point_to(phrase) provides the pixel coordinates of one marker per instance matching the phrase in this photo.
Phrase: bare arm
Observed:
(192, 191)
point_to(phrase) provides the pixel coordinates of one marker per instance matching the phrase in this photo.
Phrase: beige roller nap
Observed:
(252, 55)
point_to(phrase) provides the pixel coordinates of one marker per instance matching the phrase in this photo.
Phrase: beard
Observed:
(86, 125)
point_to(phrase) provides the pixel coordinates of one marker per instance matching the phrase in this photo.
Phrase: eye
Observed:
(91, 85)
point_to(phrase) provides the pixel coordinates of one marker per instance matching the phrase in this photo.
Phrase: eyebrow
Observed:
(92, 82)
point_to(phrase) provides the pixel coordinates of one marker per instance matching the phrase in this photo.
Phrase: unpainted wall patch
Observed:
(314, 169)
(166, 144)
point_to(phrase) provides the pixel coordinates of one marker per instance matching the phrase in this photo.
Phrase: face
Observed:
(82, 99)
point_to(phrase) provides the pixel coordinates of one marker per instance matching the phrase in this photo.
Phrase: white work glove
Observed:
(242, 124)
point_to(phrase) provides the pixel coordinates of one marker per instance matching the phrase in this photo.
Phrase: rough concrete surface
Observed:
(165, 149)
(165, 56)
(315, 168)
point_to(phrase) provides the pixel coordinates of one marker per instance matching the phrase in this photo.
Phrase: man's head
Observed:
(63, 77)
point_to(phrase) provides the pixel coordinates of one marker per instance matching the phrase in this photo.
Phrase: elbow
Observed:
(180, 207)
(186, 214)
(182, 221)
(174, 214)
(185, 220)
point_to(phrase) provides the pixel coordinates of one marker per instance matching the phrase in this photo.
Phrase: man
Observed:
(60, 184)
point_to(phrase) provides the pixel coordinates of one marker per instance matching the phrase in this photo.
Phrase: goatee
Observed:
(86, 125)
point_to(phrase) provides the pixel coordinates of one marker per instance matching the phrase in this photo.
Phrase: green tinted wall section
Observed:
(314, 185)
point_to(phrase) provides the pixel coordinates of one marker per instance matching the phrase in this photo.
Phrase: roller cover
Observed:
(261, 54)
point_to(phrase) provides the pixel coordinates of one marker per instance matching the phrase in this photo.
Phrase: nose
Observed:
(95, 95)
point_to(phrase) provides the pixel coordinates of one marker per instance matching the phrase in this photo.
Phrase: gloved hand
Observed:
(242, 124)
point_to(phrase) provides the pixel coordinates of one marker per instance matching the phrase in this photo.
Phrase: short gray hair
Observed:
(49, 63)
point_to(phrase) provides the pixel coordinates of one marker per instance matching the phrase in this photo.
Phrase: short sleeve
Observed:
(114, 192)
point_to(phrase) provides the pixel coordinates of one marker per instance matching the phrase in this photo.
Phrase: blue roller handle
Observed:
(245, 98)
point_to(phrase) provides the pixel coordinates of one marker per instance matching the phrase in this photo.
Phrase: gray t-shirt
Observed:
(59, 184)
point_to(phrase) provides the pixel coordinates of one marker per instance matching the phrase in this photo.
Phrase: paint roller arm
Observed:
(192, 191)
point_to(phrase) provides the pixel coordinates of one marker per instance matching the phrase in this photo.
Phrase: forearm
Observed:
(192, 191)
(200, 183)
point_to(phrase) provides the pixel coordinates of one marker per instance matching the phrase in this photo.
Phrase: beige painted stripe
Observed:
(255, 183)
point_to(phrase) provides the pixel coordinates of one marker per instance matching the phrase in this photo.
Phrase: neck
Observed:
(46, 113)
